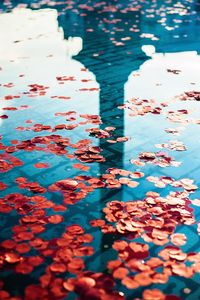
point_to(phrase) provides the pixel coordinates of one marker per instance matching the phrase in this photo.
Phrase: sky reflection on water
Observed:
(92, 59)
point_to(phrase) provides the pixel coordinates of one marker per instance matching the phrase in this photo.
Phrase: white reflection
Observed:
(23, 28)
(33, 45)
(74, 45)
(149, 50)
(160, 78)
(154, 79)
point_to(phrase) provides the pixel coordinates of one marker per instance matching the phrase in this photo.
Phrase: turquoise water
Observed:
(88, 65)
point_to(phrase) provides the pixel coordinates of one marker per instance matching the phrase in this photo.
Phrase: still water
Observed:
(99, 153)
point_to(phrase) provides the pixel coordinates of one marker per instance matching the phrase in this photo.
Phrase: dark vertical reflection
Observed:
(111, 65)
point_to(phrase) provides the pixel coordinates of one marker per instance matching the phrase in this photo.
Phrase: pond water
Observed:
(99, 152)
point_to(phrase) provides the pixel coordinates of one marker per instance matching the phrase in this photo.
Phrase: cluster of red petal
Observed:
(142, 107)
(184, 183)
(34, 187)
(8, 162)
(135, 268)
(115, 178)
(154, 219)
(160, 159)
(37, 90)
(55, 144)
(191, 95)
(89, 154)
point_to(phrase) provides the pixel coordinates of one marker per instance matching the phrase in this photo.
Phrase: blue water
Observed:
(108, 57)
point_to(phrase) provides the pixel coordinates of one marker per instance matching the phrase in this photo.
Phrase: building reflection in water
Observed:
(113, 35)
(111, 52)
